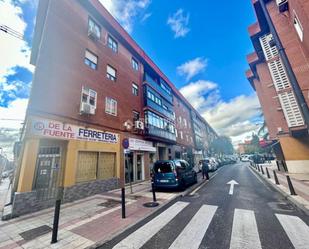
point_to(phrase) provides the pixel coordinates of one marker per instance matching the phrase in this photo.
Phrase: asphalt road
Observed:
(254, 216)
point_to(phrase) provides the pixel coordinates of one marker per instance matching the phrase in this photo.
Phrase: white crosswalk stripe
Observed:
(138, 238)
(192, 235)
(296, 229)
(244, 232)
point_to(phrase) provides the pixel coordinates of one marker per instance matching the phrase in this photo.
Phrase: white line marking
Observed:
(231, 189)
(244, 232)
(192, 235)
(296, 229)
(138, 238)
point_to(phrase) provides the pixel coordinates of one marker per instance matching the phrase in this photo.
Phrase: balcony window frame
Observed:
(298, 26)
(89, 96)
(95, 25)
(135, 64)
(135, 89)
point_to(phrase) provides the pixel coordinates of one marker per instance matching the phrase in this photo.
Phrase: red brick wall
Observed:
(61, 72)
(183, 111)
(297, 51)
(273, 117)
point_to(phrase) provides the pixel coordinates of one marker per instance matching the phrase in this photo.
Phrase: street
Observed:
(249, 214)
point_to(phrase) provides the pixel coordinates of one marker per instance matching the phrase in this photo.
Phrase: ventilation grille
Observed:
(291, 109)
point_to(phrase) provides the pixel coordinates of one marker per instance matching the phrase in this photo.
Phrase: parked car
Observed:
(213, 164)
(245, 158)
(173, 174)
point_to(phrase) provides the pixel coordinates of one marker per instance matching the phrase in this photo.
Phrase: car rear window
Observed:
(163, 167)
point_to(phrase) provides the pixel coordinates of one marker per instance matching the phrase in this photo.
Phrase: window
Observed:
(111, 106)
(191, 139)
(165, 107)
(158, 101)
(94, 29)
(134, 64)
(111, 73)
(135, 89)
(298, 27)
(159, 122)
(112, 44)
(185, 122)
(165, 87)
(151, 96)
(89, 96)
(187, 137)
(136, 116)
(176, 133)
(91, 59)
(181, 135)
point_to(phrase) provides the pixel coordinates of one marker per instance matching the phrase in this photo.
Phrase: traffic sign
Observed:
(125, 143)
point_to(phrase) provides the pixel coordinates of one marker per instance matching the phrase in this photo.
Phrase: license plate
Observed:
(163, 180)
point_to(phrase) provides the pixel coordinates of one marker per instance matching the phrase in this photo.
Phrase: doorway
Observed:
(134, 167)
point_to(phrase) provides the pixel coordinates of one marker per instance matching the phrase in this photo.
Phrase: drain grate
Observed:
(285, 206)
(110, 203)
(35, 232)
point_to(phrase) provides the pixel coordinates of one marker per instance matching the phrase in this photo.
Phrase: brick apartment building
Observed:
(279, 72)
(94, 86)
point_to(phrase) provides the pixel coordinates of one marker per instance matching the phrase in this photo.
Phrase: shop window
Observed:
(106, 165)
(87, 165)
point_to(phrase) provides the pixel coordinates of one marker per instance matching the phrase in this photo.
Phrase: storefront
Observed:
(82, 160)
(139, 160)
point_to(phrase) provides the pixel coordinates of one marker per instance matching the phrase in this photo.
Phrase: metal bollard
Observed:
(57, 215)
(276, 178)
(123, 203)
(259, 168)
(268, 176)
(262, 170)
(153, 192)
(292, 191)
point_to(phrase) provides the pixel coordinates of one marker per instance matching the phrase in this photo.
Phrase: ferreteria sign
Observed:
(60, 130)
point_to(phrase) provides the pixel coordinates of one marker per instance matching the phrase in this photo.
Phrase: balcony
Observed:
(161, 134)
(158, 88)
(159, 109)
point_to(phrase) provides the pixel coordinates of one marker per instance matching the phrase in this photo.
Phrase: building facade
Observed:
(279, 72)
(94, 91)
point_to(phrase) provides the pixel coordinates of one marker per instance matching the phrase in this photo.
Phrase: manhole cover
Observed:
(281, 206)
(151, 204)
(109, 203)
(35, 232)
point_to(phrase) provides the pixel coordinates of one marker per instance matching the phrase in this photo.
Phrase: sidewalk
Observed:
(300, 183)
(83, 223)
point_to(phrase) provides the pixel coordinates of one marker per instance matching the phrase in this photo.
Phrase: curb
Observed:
(182, 194)
(285, 195)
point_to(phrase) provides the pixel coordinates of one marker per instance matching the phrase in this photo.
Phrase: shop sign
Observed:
(142, 145)
(60, 130)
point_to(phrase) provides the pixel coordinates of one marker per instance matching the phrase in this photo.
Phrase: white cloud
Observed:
(195, 93)
(14, 52)
(146, 16)
(125, 11)
(179, 23)
(192, 67)
(11, 119)
(235, 118)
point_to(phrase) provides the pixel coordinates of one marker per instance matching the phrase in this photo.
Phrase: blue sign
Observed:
(125, 143)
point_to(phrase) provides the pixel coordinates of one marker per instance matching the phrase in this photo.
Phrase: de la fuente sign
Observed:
(60, 130)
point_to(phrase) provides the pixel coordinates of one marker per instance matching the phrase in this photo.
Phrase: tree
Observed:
(222, 145)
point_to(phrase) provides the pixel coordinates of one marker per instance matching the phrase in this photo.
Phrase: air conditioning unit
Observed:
(279, 129)
(86, 108)
(283, 5)
(139, 125)
(92, 33)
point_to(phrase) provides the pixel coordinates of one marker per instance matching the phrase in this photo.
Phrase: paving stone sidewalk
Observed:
(83, 223)
(300, 183)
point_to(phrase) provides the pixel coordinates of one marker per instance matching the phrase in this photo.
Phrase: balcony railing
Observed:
(159, 109)
(158, 88)
(160, 133)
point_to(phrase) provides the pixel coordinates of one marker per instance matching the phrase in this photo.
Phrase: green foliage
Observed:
(222, 145)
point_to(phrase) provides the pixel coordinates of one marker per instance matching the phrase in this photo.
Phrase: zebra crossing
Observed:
(244, 233)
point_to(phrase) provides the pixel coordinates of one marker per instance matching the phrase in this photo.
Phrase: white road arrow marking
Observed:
(232, 183)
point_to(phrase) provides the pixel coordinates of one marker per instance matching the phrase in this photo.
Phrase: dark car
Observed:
(173, 174)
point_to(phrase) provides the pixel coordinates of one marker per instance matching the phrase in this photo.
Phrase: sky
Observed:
(200, 45)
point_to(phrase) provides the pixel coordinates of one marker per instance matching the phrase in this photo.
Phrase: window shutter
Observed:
(90, 56)
(291, 109)
(278, 74)
(111, 71)
(270, 52)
